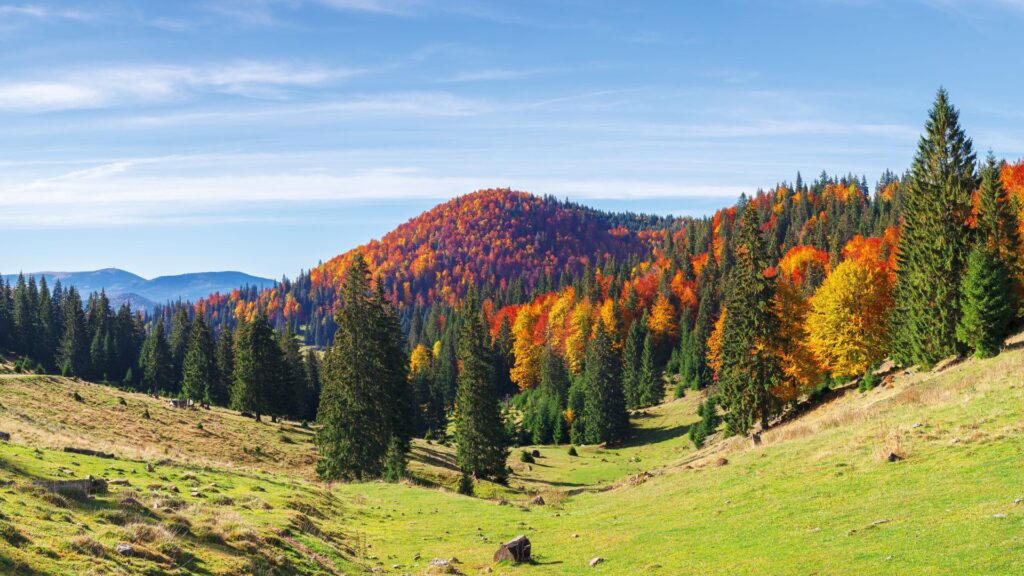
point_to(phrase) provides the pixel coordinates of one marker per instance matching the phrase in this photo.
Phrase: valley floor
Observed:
(818, 496)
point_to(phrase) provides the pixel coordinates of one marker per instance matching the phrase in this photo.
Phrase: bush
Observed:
(680, 390)
(395, 461)
(698, 434)
(572, 451)
(525, 456)
(869, 380)
(466, 485)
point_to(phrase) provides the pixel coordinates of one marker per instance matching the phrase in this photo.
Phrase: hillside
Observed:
(492, 237)
(817, 496)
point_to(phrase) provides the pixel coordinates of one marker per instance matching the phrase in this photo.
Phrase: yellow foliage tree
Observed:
(847, 326)
(526, 370)
(662, 319)
(580, 326)
(419, 360)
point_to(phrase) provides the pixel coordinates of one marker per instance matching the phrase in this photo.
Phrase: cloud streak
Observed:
(128, 85)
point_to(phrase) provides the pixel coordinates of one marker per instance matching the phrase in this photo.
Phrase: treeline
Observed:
(53, 332)
(252, 368)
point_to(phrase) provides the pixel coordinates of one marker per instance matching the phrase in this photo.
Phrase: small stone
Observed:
(1017, 501)
(149, 467)
(1000, 515)
(596, 561)
(893, 457)
(721, 462)
(125, 549)
(575, 535)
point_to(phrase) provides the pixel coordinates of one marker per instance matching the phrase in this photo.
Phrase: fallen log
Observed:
(88, 452)
(88, 486)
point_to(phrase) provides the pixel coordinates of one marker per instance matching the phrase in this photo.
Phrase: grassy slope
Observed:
(808, 501)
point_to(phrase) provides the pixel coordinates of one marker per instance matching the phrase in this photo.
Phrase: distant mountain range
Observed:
(122, 286)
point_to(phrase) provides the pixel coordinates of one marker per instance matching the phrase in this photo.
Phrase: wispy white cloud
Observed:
(97, 88)
(38, 12)
(149, 190)
(490, 74)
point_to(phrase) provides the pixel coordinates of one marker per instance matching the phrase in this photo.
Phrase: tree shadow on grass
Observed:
(436, 458)
(657, 435)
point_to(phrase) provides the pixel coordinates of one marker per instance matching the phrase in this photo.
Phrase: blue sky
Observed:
(266, 135)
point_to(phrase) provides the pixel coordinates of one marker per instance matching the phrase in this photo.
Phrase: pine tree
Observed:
(73, 353)
(987, 298)
(649, 382)
(998, 227)
(220, 389)
(157, 370)
(935, 240)
(46, 337)
(199, 370)
(631, 353)
(293, 393)
(604, 406)
(750, 368)
(257, 368)
(359, 409)
(24, 317)
(181, 327)
(479, 432)
(311, 367)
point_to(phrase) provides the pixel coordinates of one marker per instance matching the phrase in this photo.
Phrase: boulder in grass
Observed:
(5, 436)
(596, 561)
(516, 550)
(537, 501)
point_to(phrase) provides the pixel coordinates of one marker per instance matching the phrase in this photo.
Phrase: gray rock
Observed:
(596, 561)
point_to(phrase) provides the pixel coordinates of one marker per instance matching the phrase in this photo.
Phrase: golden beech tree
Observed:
(526, 370)
(419, 360)
(580, 326)
(848, 323)
(662, 320)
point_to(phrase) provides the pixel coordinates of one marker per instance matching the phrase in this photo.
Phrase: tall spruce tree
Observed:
(479, 432)
(604, 405)
(155, 361)
(181, 327)
(998, 226)
(987, 302)
(293, 393)
(199, 371)
(311, 365)
(359, 407)
(935, 240)
(73, 353)
(220, 389)
(749, 366)
(631, 356)
(257, 368)
(649, 383)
